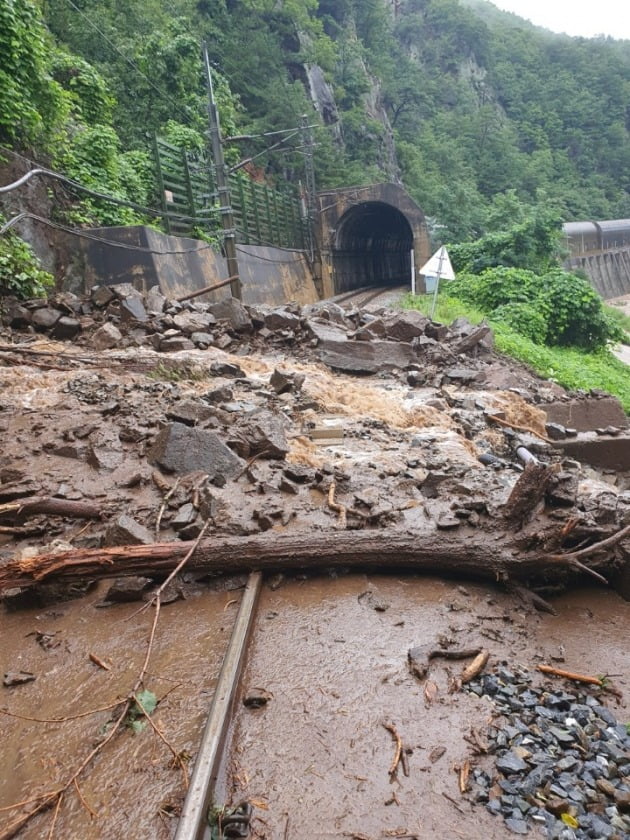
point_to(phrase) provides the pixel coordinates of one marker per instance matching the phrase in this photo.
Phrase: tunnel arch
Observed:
(366, 235)
(372, 247)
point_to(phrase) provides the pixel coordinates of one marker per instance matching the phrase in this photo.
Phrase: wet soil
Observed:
(316, 758)
(133, 786)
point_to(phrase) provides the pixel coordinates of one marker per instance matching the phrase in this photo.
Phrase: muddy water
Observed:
(315, 760)
(132, 785)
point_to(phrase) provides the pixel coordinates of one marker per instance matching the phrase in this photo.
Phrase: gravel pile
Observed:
(563, 761)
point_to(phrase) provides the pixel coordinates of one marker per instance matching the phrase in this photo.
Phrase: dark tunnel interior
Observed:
(372, 247)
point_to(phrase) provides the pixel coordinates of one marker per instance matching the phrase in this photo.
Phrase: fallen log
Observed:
(493, 557)
(51, 506)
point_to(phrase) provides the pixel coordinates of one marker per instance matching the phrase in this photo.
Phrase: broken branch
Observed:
(53, 507)
(399, 746)
(570, 675)
(338, 508)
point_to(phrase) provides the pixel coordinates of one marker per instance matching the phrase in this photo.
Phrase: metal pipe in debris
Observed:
(526, 456)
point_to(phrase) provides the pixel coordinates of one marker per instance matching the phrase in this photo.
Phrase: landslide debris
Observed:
(170, 415)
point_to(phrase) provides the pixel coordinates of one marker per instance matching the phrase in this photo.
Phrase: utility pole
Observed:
(309, 172)
(223, 188)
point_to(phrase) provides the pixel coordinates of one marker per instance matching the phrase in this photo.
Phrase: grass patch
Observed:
(569, 367)
(620, 318)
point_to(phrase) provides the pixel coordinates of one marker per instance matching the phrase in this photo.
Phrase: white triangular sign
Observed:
(439, 266)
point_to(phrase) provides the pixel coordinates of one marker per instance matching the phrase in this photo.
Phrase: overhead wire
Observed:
(58, 176)
(84, 234)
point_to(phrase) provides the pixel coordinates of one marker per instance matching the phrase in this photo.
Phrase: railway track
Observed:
(193, 822)
(369, 295)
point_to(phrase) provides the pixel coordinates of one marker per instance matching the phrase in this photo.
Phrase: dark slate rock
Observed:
(45, 318)
(127, 589)
(126, 531)
(284, 382)
(202, 340)
(232, 310)
(510, 763)
(324, 331)
(282, 319)
(192, 322)
(464, 375)
(185, 516)
(190, 412)
(555, 431)
(365, 356)
(181, 449)
(405, 326)
(226, 369)
(132, 309)
(101, 295)
(219, 395)
(265, 435)
(516, 826)
(66, 328)
(175, 343)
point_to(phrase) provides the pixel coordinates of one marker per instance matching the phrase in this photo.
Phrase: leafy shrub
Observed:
(523, 318)
(20, 270)
(555, 308)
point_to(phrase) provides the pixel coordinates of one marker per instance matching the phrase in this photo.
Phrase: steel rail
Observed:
(366, 294)
(193, 823)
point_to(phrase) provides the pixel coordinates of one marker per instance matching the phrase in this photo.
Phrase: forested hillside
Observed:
(460, 102)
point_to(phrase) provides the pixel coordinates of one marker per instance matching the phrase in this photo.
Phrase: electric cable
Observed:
(50, 173)
(84, 234)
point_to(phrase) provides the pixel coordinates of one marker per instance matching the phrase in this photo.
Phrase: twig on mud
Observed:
(90, 811)
(20, 348)
(251, 460)
(463, 775)
(163, 508)
(570, 675)
(98, 661)
(56, 796)
(55, 815)
(453, 802)
(176, 756)
(338, 508)
(63, 719)
(399, 747)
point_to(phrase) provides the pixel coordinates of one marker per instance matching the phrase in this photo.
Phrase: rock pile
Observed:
(563, 760)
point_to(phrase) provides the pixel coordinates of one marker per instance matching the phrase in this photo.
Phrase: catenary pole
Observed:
(223, 188)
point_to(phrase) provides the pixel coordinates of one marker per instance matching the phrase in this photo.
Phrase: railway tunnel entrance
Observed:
(366, 236)
(372, 247)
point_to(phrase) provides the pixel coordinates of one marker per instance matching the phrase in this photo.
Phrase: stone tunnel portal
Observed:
(371, 247)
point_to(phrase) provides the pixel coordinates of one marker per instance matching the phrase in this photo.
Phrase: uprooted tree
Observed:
(527, 542)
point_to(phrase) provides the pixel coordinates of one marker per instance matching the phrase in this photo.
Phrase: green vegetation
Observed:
(621, 319)
(20, 271)
(477, 110)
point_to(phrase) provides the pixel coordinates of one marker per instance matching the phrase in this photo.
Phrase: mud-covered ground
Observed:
(88, 425)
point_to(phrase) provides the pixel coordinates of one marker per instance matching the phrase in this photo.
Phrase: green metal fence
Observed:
(263, 215)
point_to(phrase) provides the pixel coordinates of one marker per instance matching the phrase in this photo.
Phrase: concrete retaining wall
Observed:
(609, 272)
(268, 275)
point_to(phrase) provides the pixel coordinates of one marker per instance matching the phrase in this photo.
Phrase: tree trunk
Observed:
(496, 556)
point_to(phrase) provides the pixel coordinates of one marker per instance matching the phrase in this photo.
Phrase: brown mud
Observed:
(79, 424)
(317, 756)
